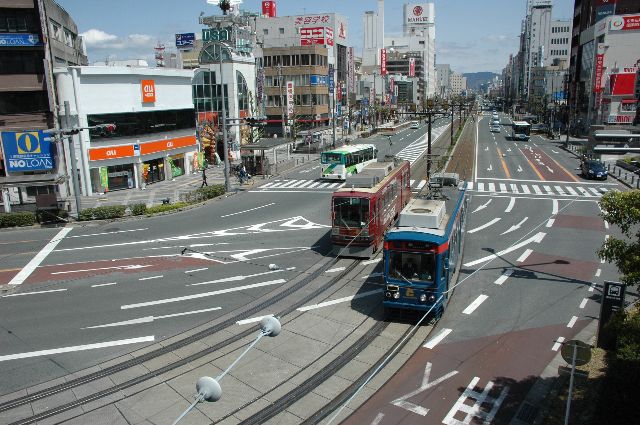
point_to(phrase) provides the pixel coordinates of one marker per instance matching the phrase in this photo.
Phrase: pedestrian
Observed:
(204, 178)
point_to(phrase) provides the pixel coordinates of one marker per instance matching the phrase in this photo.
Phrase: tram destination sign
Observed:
(216, 34)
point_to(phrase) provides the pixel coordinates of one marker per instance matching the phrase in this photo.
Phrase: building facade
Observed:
(458, 84)
(443, 77)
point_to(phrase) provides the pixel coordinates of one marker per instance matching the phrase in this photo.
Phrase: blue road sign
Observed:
(26, 151)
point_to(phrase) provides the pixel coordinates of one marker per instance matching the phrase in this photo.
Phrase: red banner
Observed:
(412, 67)
(316, 35)
(383, 61)
(597, 77)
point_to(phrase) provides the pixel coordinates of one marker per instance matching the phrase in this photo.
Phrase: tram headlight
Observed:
(387, 294)
(396, 296)
(432, 298)
(423, 298)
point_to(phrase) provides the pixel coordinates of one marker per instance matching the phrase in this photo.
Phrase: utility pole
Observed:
(72, 156)
(225, 142)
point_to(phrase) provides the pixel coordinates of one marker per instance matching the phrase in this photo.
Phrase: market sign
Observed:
(417, 14)
(17, 40)
(213, 34)
(597, 80)
(383, 61)
(625, 22)
(186, 40)
(148, 91)
(26, 151)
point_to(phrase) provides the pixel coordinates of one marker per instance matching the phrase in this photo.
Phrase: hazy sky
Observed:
(471, 35)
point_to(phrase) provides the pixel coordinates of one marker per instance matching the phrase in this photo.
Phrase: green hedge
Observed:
(138, 209)
(17, 219)
(102, 213)
(166, 207)
(204, 193)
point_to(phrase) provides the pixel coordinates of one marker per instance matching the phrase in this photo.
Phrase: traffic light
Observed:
(256, 121)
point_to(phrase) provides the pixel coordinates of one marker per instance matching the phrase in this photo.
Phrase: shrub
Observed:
(102, 213)
(25, 218)
(204, 193)
(138, 209)
(166, 207)
(86, 214)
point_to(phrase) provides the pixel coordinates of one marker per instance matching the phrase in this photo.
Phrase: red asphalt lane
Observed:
(83, 270)
(540, 161)
(442, 385)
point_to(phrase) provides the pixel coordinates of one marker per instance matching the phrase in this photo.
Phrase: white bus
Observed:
(339, 163)
(521, 130)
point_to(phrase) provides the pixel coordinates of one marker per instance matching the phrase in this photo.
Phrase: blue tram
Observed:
(422, 251)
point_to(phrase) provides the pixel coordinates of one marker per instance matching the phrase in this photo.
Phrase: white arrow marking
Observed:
(490, 167)
(519, 169)
(550, 169)
(483, 206)
(536, 238)
(129, 267)
(237, 278)
(149, 319)
(554, 151)
(517, 226)
(422, 411)
(486, 148)
(512, 202)
(484, 226)
(508, 149)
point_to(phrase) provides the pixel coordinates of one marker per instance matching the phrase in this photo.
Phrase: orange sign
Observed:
(148, 91)
(111, 152)
(168, 144)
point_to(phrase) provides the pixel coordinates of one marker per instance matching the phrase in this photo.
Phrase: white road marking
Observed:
(480, 187)
(606, 224)
(77, 348)
(252, 320)
(492, 187)
(525, 189)
(502, 279)
(584, 191)
(470, 185)
(595, 191)
(149, 319)
(598, 272)
(503, 187)
(559, 189)
(39, 258)
(484, 226)
(592, 287)
(571, 191)
(241, 277)
(371, 275)
(602, 261)
(339, 300)
(524, 255)
(554, 208)
(366, 263)
(572, 322)
(127, 267)
(481, 207)
(475, 304)
(202, 295)
(512, 202)
(515, 227)
(245, 211)
(558, 343)
(550, 222)
(33, 293)
(536, 189)
(337, 269)
(411, 182)
(421, 184)
(197, 270)
(379, 417)
(583, 303)
(107, 233)
(472, 405)
(436, 339)
(152, 277)
(548, 190)
(514, 188)
(536, 238)
(103, 284)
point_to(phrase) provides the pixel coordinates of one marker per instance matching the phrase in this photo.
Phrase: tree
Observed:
(622, 209)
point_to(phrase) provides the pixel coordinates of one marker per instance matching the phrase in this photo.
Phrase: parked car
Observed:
(593, 170)
(415, 124)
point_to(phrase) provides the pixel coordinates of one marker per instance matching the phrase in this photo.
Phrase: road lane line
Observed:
(484, 226)
(524, 255)
(107, 233)
(592, 287)
(550, 222)
(252, 320)
(554, 209)
(421, 184)
(366, 263)
(598, 272)
(39, 258)
(337, 269)
(504, 163)
(475, 304)
(572, 175)
(151, 277)
(558, 343)
(535, 170)
(197, 270)
(536, 238)
(33, 293)
(103, 284)
(202, 295)
(251, 209)
(77, 348)
(339, 300)
(240, 277)
(512, 202)
(502, 279)
(150, 319)
(584, 302)
(436, 339)
(572, 322)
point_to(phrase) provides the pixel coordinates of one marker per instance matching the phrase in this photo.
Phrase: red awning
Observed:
(629, 100)
(622, 84)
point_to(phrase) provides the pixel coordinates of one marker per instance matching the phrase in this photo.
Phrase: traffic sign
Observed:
(583, 352)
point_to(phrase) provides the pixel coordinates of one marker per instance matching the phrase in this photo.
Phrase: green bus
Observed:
(339, 163)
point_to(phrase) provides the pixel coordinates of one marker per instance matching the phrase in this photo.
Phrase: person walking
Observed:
(204, 178)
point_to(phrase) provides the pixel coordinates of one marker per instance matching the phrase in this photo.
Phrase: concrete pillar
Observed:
(167, 169)
(136, 175)
(6, 201)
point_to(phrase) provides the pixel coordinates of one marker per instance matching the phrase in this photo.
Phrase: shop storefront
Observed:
(153, 171)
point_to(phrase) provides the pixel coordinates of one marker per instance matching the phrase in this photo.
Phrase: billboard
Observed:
(268, 9)
(605, 8)
(148, 91)
(16, 40)
(418, 14)
(26, 151)
(290, 100)
(330, 79)
(625, 22)
(383, 61)
(186, 40)
(351, 70)
(597, 79)
(412, 67)
(310, 36)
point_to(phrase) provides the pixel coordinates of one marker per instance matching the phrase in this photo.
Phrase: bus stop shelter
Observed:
(261, 156)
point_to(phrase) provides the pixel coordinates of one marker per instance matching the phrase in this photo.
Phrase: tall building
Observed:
(537, 35)
(35, 36)
(458, 84)
(443, 77)
(560, 42)
(373, 29)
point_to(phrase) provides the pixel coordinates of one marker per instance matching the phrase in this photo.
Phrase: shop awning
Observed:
(622, 84)
(626, 101)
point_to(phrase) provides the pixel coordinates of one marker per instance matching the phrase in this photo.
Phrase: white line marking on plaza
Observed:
(379, 417)
(337, 269)
(108, 233)
(152, 277)
(592, 287)
(366, 263)
(598, 272)
(339, 300)
(197, 270)
(202, 295)
(536, 238)
(103, 284)
(33, 293)
(572, 322)
(127, 267)
(436, 339)
(245, 211)
(241, 277)
(524, 255)
(484, 226)
(558, 343)
(583, 303)
(77, 348)
(502, 279)
(512, 202)
(39, 258)
(550, 222)
(252, 320)
(149, 319)
(554, 209)
(475, 304)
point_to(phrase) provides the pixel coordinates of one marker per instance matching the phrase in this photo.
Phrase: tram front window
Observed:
(350, 212)
(409, 266)
(331, 158)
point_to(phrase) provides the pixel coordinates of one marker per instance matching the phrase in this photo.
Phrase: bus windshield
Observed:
(350, 212)
(332, 158)
(412, 266)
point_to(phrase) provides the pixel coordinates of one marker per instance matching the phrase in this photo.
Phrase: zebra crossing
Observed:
(539, 189)
(416, 149)
(320, 185)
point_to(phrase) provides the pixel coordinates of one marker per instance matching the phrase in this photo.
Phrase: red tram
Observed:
(367, 205)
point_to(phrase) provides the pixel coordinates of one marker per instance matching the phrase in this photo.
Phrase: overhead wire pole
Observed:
(225, 142)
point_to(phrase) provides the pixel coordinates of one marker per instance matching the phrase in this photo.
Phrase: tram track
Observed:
(217, 328)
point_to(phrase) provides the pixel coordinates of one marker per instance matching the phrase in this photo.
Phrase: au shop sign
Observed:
(26, 151)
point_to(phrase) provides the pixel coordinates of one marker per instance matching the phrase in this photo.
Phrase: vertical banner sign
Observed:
(383, 61)
(372, 96)
(339, 91)
(392, 84)
(597, 75)
(612, 301)
(352, 71)
(26, 151)
(148, 91)
(331, 81)
(290, 102)
(260, 89)
(104, 178)
(412, 67)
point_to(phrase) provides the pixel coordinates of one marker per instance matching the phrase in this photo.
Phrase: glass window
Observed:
(22, 102)
(351, 212)
(281, 30)
(331, 158)
(410, 266)
(134, 123)
(265, 31)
